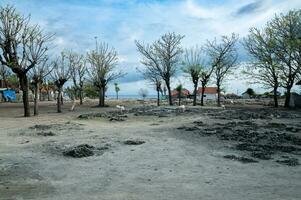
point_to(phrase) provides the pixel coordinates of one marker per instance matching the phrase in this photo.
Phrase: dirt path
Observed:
(171, 164)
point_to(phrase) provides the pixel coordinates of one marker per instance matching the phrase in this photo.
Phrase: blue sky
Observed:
(121, 22)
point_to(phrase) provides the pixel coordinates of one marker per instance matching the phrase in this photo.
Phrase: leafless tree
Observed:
(286, 31)
(163, 56)
(78, 71)
(195, 67)
(154, 79)
(206, 73)
(37, 75)
(265, 68)
(22, 47)
(60, 74)
(103, 61)
(223, 56)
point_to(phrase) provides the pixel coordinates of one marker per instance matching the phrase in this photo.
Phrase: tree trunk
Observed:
(23, 80)
(218, 95)
(59, 99)
(203, 92)
(275, 97)
(158, 97)
(169, 92)
(101, 97)
(81, 96)
(287, 97)
(195, 93)
(40, 94)
(179, 98)
(36, 106)
(62, 97)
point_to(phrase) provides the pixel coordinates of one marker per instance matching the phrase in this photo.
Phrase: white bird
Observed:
(232, 102)
(182, 108)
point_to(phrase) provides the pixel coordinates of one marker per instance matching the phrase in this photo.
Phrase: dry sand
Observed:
(191, 155)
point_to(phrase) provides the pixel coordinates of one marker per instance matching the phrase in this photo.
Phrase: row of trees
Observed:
(163, 58)
(23, 50)
(275, 52)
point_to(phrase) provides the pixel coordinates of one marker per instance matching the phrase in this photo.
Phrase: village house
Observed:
(175, 93)
(210, 93)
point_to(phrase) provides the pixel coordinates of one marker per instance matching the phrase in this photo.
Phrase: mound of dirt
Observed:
(134, 142)
(112, 116)
(240, 159)
(80, 151)
(261, 138)
(47, 133)
(289, 162)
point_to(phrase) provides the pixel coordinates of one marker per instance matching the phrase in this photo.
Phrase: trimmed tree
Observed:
(163, 56)
(38, 74)
(286, 32)
(60, 75)
(223, 56)
(78, 71)
(265, 68)
(22, 45)
(103, 61)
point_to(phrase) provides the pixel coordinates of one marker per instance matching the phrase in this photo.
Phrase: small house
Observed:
(210, 93)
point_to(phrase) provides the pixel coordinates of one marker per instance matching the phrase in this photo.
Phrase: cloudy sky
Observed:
(121, 22)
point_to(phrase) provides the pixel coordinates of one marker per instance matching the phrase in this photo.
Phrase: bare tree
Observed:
(4, 73)
(223, 57)
(103, 61)
(163, 56)
(287, 40)
(196, 69)
(265, 69)
(22, 47)
(156, 80)
(206, 73)
(60, 74)
(78, 71)
(37, 75)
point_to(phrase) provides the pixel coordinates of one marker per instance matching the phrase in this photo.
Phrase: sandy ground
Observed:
(174, 163)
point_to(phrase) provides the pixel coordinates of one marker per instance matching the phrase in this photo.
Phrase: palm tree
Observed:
(179, 89)
(117, 89)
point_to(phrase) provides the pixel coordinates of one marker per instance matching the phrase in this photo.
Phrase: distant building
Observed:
(232, 96)
(185, 93)
(245, 95)
(210, 93)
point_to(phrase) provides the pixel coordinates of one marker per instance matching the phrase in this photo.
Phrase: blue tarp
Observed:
(9, 95)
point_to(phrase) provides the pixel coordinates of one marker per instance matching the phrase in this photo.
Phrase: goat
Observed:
(182, 108)
(121, 108)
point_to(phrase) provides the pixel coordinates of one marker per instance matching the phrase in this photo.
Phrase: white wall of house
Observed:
(208, 96)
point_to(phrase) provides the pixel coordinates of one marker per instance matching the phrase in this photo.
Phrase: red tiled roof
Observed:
(208, 90)
(185, 92)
